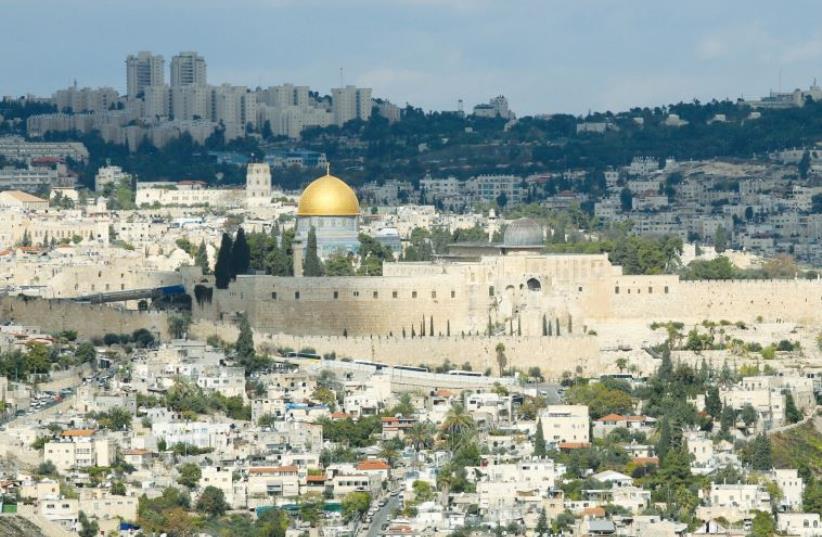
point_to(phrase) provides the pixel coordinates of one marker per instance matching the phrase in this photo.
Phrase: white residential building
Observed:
(566, 423)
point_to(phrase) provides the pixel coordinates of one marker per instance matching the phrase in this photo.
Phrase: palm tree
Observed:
(502, 360)
(420, 435)
(457, 425)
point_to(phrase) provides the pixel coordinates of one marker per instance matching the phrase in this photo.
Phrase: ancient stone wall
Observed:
(89, 320)
(553, 355)
(773, 300)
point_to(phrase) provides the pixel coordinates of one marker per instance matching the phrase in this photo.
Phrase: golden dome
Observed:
(328, 196)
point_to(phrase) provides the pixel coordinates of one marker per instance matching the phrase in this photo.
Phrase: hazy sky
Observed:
(545, 56)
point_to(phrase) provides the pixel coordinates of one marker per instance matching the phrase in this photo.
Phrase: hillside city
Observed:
(232, 311)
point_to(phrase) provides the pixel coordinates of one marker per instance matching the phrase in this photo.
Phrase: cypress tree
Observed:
(539, 441)
(201, 257)
(761, 458)
(713, 404)
(222, 269)
(240, 255)
(791, 412)
(664, 442)
(312, 266)
(245, 343)
(542, 524)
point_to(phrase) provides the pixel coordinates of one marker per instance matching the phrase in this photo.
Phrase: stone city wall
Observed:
(89, 320)
(774, 300)
(553, 355)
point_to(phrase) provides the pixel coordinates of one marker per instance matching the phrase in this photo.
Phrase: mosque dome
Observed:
(523, 232)
(328, 196)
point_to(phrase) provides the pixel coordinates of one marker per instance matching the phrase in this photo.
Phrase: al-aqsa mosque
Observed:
(331, 207)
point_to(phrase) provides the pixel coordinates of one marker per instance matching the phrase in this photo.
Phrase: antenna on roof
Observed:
(342, 84)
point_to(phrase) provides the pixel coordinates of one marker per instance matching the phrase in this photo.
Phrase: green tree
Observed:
(312, 266)
(201, 257)
(245, 343)
(792, 413)
(502, 360)
(600, 399)
(222, 268)
(178, 325)
(339, 265)
(727, 418)
(761, 458)
(713, 404)
(355, 504)
(720, 239)
(748, 415)
(763, 525)
(663, 444)
(277, 260)
(458, 425)
(804, 165)
(542, 524)
(539, 441)
(88, 528)
(240, 254)
(626, 199)
(212, 502)
(118, 488)
(190, 475)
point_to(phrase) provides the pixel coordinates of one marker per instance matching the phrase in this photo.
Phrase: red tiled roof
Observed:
(338, 415)
(646, 460)
(594, 511)
(612, 417)
(315, 478)
(373, 464)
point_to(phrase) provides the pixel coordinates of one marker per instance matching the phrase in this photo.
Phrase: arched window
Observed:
(533, 284)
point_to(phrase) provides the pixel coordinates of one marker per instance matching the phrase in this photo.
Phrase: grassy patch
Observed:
(799, 445)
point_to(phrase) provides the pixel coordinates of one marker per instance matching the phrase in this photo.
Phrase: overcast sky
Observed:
(545, 56)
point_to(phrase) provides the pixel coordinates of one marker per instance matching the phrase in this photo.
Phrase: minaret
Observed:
(258, 182)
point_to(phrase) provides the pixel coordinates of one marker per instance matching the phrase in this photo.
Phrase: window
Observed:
(336, 295)
(650, 290)
(433, 294)
(393, 294)
(491, 291)
(376, 294)
(296, 295)
(274, 295)
(616, 290)
(579, 288)
(666, 289)
(356, 293)
(453, 294)
(413, 294)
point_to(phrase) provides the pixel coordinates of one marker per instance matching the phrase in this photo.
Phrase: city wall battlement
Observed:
(89, 320)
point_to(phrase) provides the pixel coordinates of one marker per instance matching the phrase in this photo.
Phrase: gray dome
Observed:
(523, 232)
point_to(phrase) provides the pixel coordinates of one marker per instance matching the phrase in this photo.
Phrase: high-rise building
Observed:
(188, 69)
(189, 102)
(144, 69)
(285, 95)
(157, 102)
(350, 103)
(233, 106)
